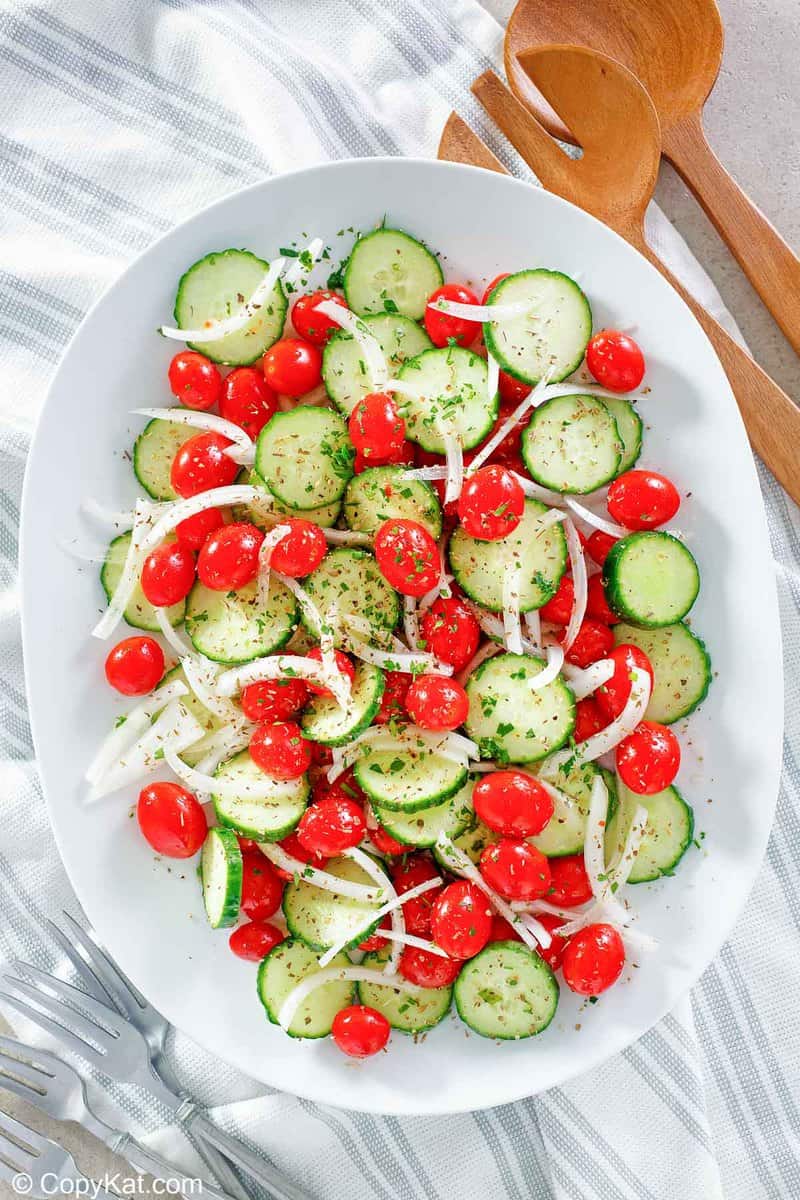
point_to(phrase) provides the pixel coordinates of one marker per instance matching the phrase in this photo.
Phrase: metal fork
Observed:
(56, 1088)
(25, 1152)
(118, 1049)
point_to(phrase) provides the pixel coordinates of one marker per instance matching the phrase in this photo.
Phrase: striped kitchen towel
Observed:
(122, 119)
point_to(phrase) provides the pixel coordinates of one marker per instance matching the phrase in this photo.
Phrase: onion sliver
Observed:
(245, 448)
(555, 661)
(580, 583)
(382, 912)
(321, 879)
(334, 975)
(398, 920)
(585, 680)
(129, 576)
(534, 397)
(597, 522)
(171, 635)
(305, 261)
(374, 359)
(131, 726)
(215, 330)
(180, 510)
(480, 313)
(606, 739)
(175, 730)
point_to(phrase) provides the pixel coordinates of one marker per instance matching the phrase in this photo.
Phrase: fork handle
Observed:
(150, 1163)
(279, 1186)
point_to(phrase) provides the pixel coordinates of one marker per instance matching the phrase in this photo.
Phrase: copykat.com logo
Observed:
(51, 1184)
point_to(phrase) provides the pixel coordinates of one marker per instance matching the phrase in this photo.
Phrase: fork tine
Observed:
(28, 1067)
(113, 980)
(54, 1028)
(107, 1020)
(90, 980)
(10, 1125)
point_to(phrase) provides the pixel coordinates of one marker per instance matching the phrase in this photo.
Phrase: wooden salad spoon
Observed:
(674, 47)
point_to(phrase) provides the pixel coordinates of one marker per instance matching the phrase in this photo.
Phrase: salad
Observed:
(410, 639)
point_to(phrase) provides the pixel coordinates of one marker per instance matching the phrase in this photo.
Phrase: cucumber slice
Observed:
(324, 721)
(265, 820)
(305, 456)
(284, 967)
(201, 714)
(351, 583)
(552, 337)
(565, 832)
(668, 833)
(539, 555)
(409, 1012)
(343, 371)
(455, 383)
(221, 873)
(213, 288)
(572, 444)
(153, 454)
(681, 666)
(325, 516)
(410, 778)
(511, 723)
(507, 991)
(423, 828)
(380, 494)
(321, 919)
(650, 579)
(231, 627)
(139, 612)
(390, 271)
(629, 425)
(473, 841)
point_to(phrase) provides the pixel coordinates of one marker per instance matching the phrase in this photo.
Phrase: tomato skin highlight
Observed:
(193, 532)
(254, 940)
(558, 608)
(516, 870)
(311, 325)
(593, 959)
(612, 696)
(554, 953)
(450, 631)
(135, 665)
(292, 367)
(331, 825)
(262, 890)
(642, 499)
(569, 883)
(194, 380)
(599, 545)
(376, 428)
(593, 642)
(461, 920)
(360, 1031)
(343, 663)
(247, 400)
(280, 750)
(229, 558)
(649, 758)
(426, 969)
(168, 574)
(512, 803)
(201, 464)
(408, 556)
(442, 329)
(271, 700)
(171, 820)
(615, 360)
(437, 702)
(491, 503)
(301, 550)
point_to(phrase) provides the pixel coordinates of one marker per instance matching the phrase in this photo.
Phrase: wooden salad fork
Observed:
(675, 50)
(616, 125)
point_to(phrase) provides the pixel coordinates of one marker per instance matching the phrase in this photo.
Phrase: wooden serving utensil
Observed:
(674, 47)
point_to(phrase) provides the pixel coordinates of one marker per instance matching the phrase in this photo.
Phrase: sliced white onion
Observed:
(383, 911)
(271, 539)
(411, 662)
(409, 939)
(243, 449)
(487, 650)
(181, 510)
(310, 984)
(534, 397)
(130, 726)
(536, 492)
(232, 789)
(411, 622)
(202, 679)
(492, 625)
(321, 879)
(452, 746)
(171, 635)
(580, 583)
(480, 313)
(374, 359)
(175, 729)
(454, 455)
(305, 262)
(425, 473)
(620, 870)
(592, 518)
(405, 387)
(213, 331)
(129, 576)
(594, 854)
(512, 628)
(273, 666)
(585, 680)
(398, 920)
(555, 661)
(109, 516)
(492, 377)
(347, 537)
(547, 520)
(606, 739)
(533, 628)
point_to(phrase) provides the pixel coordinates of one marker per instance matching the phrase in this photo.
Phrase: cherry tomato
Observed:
(301, 550)
(345, 786)
(201, 464)
(135, 665)
(512, 803)
(247, 400)
(593, 959)
(386, 844)
(194, 380)
(558, 608)
(437, 702)
(442, 329)
(515, 869)
(598, 544)
(450, 631)
(171, 819)
(461, 920)
(393, 701)
(332, 825)
(280, 750)
(229, 558)
(192, 532)
(254, 940)
(375, 941)
(404, 454)
(503, 931)
(596, 603)
(615, 360)
(312, 325)
(262, 890)
(513, 391)
(589, 719)
(649, 758)
(246, 843)
(428, 970)
(491, 286)
(555, 951)
(271, 700)
(643, 500)
(360, 1031)
(343, 664)
(491, 504)
(376, 428)
(293, 367)
(569, 883)
(292, 845)
(407, 556)
(409, 874)
(593, 642)
(168, 574)
(613, 695)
